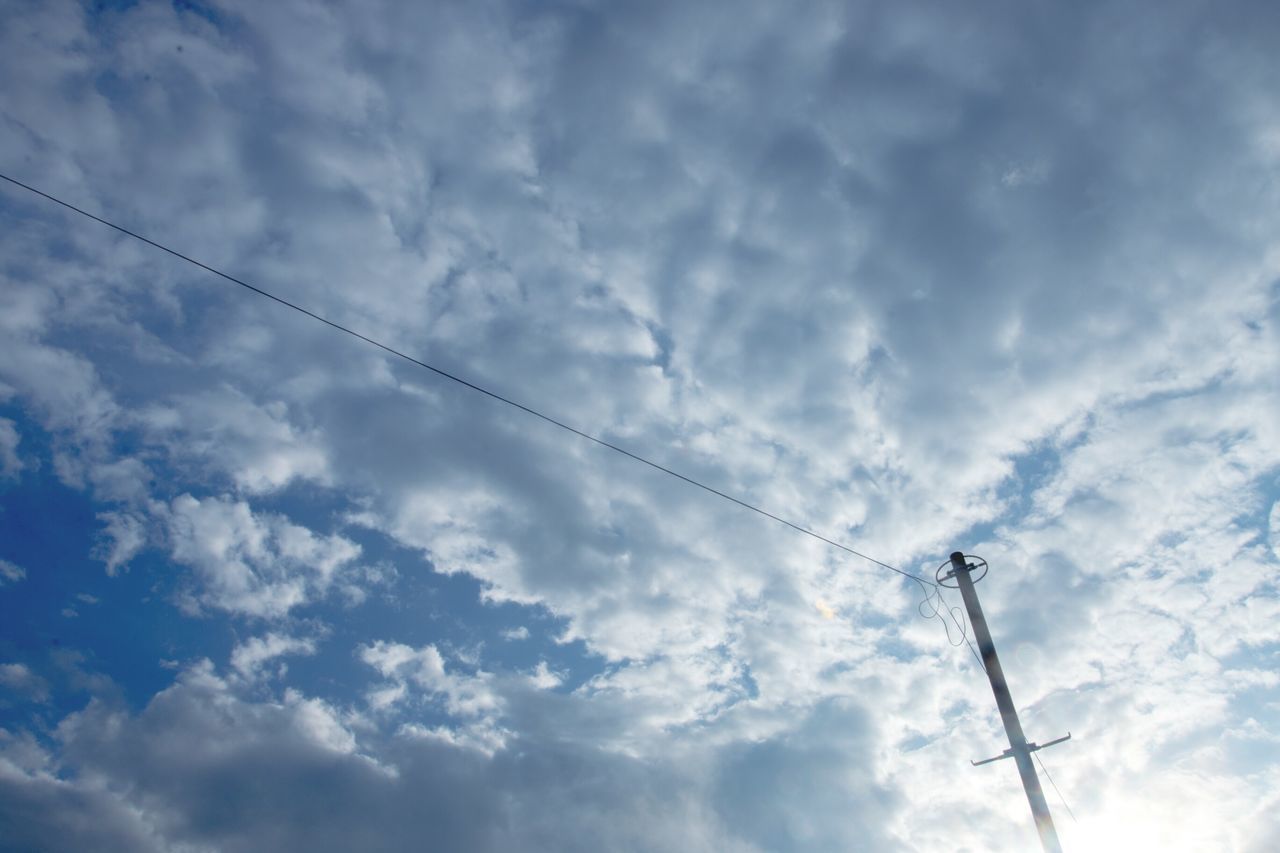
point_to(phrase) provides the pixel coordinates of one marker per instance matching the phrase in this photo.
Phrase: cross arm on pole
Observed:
(1057, 740)
(1032, 746)
(1008, 753)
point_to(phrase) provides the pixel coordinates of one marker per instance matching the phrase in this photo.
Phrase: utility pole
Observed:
(1019, 749)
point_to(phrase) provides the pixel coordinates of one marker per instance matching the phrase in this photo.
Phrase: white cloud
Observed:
(10, 463)
(11, 573)
(19, 678)
(319, 723)
(256, 445)
(466, 696)
(60, 385)
(543, 678)
(1025, 174)
(447, 524)
(258, 565)
(248, 657)
(1273, 529)
(123, 537)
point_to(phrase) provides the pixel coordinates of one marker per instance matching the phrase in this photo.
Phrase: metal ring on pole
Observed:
(943, 574)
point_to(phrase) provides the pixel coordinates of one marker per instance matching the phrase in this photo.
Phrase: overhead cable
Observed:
(459, 380)
(1055, 786)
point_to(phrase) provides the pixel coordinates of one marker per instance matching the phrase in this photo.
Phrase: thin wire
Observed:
(981, 664)
(1055, 786)
(940, 606)
(474, 387)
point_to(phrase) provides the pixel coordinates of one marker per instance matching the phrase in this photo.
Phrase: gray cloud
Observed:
(209, 769)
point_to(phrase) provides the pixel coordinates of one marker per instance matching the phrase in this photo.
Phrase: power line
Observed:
(936, 605)
(474, 387)
(982, 666)
(1048, 776)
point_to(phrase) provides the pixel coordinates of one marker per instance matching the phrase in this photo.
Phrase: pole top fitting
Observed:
(960, 562)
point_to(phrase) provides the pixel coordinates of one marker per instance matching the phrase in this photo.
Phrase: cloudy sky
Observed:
(999, 277)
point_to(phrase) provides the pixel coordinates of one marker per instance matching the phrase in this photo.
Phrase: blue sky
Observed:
(1000, 278)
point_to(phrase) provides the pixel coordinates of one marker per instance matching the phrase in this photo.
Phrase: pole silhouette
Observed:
(1019, 749)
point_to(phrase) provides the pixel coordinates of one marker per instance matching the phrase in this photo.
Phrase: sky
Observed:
(994, 277)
